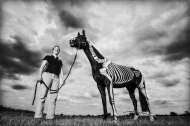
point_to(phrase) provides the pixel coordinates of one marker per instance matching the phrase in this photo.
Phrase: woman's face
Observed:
(56, 50)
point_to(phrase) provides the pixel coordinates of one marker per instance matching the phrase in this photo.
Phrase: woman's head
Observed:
(56, 50)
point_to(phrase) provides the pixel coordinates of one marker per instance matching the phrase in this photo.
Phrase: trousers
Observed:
(52, 81)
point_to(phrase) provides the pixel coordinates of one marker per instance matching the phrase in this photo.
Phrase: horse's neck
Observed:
(91, 52)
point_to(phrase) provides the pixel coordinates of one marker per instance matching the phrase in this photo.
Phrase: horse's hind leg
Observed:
(144, 99)
(133, 98)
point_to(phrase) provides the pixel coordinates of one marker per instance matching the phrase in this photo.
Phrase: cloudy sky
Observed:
(152, 36)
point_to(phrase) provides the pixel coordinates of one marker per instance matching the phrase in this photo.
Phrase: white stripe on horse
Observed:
(119, 74)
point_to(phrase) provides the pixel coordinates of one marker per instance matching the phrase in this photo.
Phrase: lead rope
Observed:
(62, 83)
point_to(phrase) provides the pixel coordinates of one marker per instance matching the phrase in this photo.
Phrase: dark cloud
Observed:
(177, 50)
(70, 20)
(19, 87)
(152, 34)
(16, 58)
(148, 39)
(180, 48)
(57, 3)
(168, 83)
(67, 18)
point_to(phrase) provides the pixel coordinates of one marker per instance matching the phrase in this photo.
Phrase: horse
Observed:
(109, 75)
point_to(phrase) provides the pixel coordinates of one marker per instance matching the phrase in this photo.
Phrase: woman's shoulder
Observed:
(47, 57)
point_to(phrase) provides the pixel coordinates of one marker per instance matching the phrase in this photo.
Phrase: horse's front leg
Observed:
(110, 91)
(103, 96)
(112, 101)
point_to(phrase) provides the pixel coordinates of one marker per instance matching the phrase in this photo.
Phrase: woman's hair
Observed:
(55, 47)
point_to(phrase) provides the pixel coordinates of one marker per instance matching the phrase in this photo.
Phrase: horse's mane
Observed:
(99, 55)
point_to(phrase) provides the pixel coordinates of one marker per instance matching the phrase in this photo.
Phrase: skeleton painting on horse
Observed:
(109, 75)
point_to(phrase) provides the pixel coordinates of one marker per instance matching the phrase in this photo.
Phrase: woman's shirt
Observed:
(54, 64)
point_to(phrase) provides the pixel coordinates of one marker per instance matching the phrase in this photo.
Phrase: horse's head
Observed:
(80, 41)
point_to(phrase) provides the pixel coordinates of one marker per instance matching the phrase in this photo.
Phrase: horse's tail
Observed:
(144, 102)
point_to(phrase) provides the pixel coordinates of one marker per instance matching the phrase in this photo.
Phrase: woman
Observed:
(50, 72)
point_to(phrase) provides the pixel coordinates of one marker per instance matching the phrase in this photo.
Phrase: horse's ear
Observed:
(78, 34)
(83, 32)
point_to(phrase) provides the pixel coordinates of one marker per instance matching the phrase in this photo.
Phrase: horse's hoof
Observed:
(151, 118)
(135, 117)
(104, 119)
(115, 121)
(115, 118)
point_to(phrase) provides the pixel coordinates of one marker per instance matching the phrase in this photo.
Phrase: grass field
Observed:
(10, 117)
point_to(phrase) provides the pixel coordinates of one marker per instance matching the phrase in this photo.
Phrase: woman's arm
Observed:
(42, 69)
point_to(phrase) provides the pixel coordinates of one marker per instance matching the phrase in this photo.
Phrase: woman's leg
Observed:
(53, 98)
(42, 94)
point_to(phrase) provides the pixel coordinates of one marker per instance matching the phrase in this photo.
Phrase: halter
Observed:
(42, 82)
(81, 45)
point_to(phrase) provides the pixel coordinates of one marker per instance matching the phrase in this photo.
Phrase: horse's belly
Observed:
(121, 85)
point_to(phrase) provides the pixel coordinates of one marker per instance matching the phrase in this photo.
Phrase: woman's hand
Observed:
(39, 79)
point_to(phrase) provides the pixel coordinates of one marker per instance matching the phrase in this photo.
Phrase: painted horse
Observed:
(109, 75)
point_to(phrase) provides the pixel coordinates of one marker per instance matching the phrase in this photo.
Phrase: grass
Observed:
(25, 118)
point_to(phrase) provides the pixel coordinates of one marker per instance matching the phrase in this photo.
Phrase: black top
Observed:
(54, 64)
